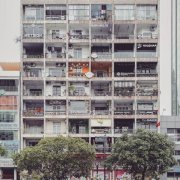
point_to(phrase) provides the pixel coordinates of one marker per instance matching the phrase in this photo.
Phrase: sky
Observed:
(10, 50)
(9, 30)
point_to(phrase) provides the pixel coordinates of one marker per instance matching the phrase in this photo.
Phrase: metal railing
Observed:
(102, 92)
(101, 112)
(146, 54)
(103, 55)
(147, 112)
(124, 36)
(146, 15)
(33, 130)
(9, 88)
(124, 74)
(100, 130)
(33, 113)
(55, 55)
(33, 93)
(33, 36)
(101, 36)
(55, 113)
(78, 112)
(55, 17)
(76, 37)
(56, 36)
(124, 54)
(121, 112)
(33, 56)
(33, 73)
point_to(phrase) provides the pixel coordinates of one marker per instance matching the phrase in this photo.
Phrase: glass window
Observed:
(56, 127)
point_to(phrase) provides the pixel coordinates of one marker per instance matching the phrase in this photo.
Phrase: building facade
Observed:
(170, 125)
(90, 69)
(175, 58)
(9, 117)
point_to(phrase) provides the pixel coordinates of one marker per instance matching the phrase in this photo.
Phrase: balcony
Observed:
(147, 12)
(33, 13)
(101, 12)
(124, 32)
(100, 130)
(101, 70)
(124, 50)
(33, 50)
(33, 108)
(54, 51)
(55, 70)
(78, 107)
(55, 107)
(9, 88)
(56, 12)
(102, 144)
(56, 89)
(145, 88)
(124, 12)
(101, 107)
(78, 89)
(33, 72)
(78, 69)
(147, 108)
(99, 51)
(122, 126)
(101, 89)
(124, 88)
(123, 108)
(78, 126)
(124, 69)
(147, 69)
(33, 127)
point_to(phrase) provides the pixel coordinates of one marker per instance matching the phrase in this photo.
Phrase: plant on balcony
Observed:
(143, 154)
(57, 158)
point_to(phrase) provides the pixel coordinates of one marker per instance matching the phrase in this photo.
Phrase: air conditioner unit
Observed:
(153, 28)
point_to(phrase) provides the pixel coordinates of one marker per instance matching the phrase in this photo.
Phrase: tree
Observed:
(57, 158)
(143, 154)
(2, 151)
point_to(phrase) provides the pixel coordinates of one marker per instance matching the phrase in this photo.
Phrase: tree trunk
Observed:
(143, 176)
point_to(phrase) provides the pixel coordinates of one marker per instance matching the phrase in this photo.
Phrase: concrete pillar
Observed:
(15, 174)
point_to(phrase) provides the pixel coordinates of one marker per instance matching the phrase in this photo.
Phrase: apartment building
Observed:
(90, 69)
(9, 117)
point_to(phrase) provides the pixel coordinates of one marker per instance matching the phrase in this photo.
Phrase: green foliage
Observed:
(143, 154)
(57, 158)
(2, 151)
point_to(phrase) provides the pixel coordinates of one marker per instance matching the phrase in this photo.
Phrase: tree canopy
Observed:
(143, 154)
(57, 158)
(2, 151)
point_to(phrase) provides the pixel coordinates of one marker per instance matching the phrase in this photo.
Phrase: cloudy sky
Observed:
(9, 49)
(9, 30)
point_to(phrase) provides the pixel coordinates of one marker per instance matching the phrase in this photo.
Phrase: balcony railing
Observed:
(147, 112)
(121, 131)
(9, 88)
(146, 15)
(146, 54)
(78, 37)
(33, 73)
(153, 73)
(124, 92)
(100, 130)
(37, 56)
(33, 36)
(101, 36)
(101, 73)
(124, 36)
(55, 55)
(55, 113)
(33, 130)
(124, 54)
(103, 55)
(101, 92)
(75, 74)
(56, 36)
(33, 113)
(33, 93)
(120, 112)
(147, 92)
(101, 112)
(78, 112)
(103, 149)
(55, 17)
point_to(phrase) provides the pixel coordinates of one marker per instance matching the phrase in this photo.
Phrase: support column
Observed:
(15, 174)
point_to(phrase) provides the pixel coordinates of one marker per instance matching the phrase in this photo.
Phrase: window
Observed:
(6, 135)
(34, 13)
(56, 90)
(7, 117)
(77, 53)
(78, 12)
(56, 127)
(124, 12)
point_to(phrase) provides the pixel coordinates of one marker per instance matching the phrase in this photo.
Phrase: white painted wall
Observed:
(165, 57)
